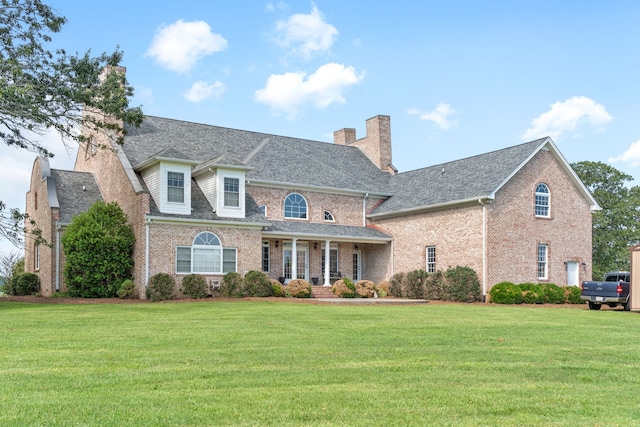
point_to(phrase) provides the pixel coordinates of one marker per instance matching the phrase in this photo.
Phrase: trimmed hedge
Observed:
(461, 284)
(161, 287)
(344, 288)
(257, 284)
(232, 285)
(506, 293)
(299, 288)
(23, 284)
(194, 286)
(532, 293)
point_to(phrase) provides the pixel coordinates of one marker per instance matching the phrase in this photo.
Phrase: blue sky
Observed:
(458, 78)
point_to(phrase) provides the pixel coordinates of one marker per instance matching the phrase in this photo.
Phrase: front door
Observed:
(302, 261)
(573, 273)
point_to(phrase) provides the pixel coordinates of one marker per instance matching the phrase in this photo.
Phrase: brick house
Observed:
(209, 200)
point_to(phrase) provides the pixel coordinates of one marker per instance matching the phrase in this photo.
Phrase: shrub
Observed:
(413, 284)
(344, 288)
(395, 284)
(232, 285)
(194, 286)
(572, 295)
(127, 290)
(506, 293)
(461, 285)
(532, 293)
(98, 248)
(365, 288)
(383, 287)
(257, 284)
(161, 287)
(554, 294)
(299, 288)
(277, 290)
(23, 284)
(433, 285)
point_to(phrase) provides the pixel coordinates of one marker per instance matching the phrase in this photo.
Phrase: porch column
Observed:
(294, 259)
(327, 280)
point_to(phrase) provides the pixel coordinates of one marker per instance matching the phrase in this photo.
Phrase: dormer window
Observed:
(175, 187)
(295, 206)
(231, 192)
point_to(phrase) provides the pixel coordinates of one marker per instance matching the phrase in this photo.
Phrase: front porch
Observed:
(331, 253)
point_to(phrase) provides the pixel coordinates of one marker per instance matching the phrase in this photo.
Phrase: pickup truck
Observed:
(614, 291)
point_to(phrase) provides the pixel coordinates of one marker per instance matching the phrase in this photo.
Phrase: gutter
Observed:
(427, 208)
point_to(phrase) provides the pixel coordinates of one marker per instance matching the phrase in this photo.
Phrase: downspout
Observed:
(484, 250)
(57, 259)
(146, 254)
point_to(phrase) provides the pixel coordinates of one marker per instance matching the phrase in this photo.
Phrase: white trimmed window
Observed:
(295, 206)
(231, 192)
(266, 257)
(431, 259)
(206, 255)
(36, 260)
(175, 187)
(328, 216)
(543, 261)
(542, 200)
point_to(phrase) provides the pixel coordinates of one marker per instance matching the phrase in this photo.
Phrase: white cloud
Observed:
(200, 91)
(632, 155)
(567, 117)
(291, 91)
(306, 35)
(440, 116)
(180, 45)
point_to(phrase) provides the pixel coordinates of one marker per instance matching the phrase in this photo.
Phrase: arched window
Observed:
(205, 255)
(328, 216)
(542, 200)
(295, 206)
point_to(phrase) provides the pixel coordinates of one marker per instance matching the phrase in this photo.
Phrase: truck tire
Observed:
(627, 305)
(594, 306)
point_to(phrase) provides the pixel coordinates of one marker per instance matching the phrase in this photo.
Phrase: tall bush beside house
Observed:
(413, 284)
(505, 293)
(395, 284)
(257, 284)
(461, 285)
(98, 247)
(194, 286)
(161, 287)
(433, 285)
(299, 288)
(232, 285)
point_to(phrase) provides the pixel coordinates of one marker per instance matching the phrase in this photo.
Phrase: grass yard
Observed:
(284, 364)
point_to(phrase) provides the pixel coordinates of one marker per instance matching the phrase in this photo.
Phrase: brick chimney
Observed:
(376, 145)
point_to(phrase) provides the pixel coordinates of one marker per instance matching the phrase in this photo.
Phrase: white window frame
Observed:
(430, 256)
(170, 187)
(266, 257)
(300, 198)
(206, 255)
(542, 207)
(328, 216)
(231, 198)
(543, 261)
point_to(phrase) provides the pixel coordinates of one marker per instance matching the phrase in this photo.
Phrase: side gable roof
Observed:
(467, 180)
(75, 192)
(270, 159)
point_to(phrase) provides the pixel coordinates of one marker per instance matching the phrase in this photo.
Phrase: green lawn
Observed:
(275, 363)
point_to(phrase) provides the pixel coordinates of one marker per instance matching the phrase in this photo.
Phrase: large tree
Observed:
(615, 227)
(43, 89)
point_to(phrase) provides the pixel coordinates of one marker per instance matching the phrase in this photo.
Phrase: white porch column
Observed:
(294, 259)
(327, 280)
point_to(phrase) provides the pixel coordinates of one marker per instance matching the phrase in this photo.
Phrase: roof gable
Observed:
(76, 192)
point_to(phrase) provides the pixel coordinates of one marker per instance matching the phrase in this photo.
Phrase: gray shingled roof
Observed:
(465, 179)
(273, 158)
(76, 192)
(325, 231)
